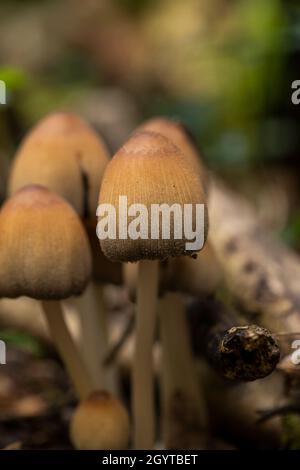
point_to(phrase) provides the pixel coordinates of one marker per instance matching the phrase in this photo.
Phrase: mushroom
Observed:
(100, 422)
(193, 276)
(45, 255)
(63, 153)
(156, 173)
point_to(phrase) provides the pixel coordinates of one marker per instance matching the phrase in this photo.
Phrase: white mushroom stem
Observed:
(143, 386)
(94, 341)
(67, 349)
(184, 416)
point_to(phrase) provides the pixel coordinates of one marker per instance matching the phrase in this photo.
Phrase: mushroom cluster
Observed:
(49, 251)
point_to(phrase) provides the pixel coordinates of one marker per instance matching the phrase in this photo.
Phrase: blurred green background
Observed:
(225, 67)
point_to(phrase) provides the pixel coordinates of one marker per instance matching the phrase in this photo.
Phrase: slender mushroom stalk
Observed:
(63, 153)
(184, 419)
(187, 275)
(143, 404)
(94, 331)
(67, 348)
(156, 173)
(45, 254)
(95, 325)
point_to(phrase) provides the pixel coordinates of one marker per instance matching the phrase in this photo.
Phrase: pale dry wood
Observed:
(260, 271)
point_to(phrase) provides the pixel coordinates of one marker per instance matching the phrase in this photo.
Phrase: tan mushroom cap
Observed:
(100, 422)
(44, 251)
(178, 134)
(150, 169)
(63, 153)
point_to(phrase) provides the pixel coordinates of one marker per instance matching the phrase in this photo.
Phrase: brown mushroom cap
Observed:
(44, 251)
(64, 154)
(100, 422)
(178, 134)
(149, 169)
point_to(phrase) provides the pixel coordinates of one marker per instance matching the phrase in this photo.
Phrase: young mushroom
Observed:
(45, 255)
(157, 173)
(184, 417)
(63, 153)
(100, 422)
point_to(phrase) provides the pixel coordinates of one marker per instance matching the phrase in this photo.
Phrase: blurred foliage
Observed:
(218, 65)
(135, 7)
(24, 341)
(224, 67)
(14, 78)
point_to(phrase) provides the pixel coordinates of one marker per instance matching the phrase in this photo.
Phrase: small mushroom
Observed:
(148, 170)
(64, 154)
(45, 255)
(100, 422)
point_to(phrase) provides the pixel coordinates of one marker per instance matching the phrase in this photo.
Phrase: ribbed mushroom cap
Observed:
(150, 169)
(180, 136)
(64, 154)
(44, 251)
(100, 422)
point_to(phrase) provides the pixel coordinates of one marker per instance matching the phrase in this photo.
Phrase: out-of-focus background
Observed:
(225, 67)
